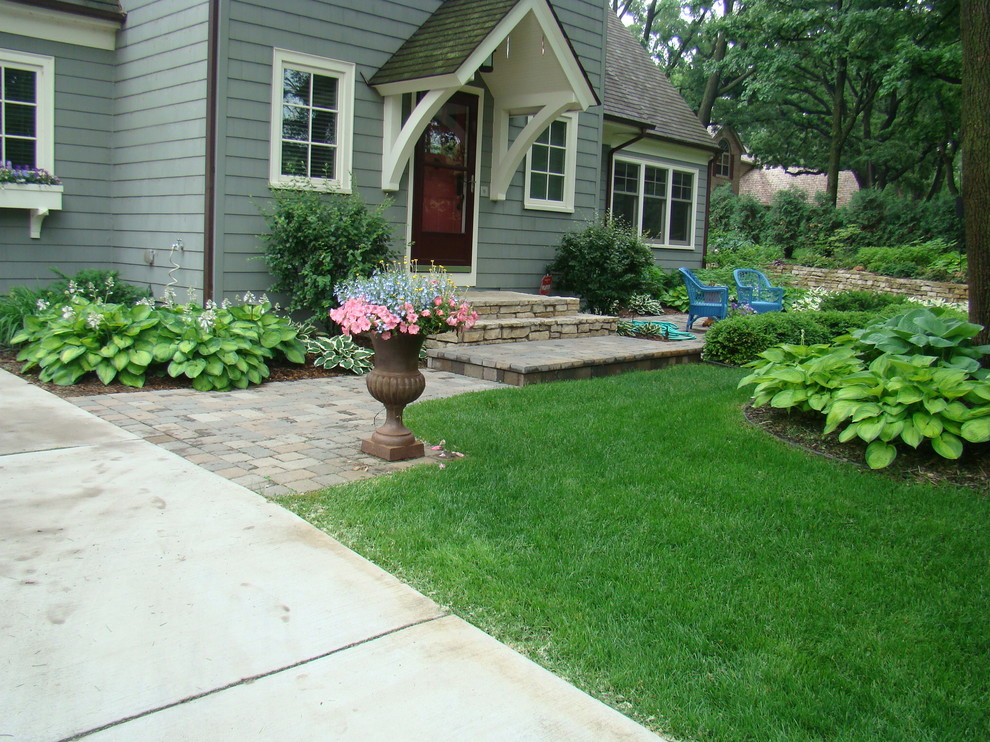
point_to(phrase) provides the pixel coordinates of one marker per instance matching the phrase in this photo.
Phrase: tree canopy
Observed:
(871, 86)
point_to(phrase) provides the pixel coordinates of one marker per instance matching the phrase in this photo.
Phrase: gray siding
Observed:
(159, 142)
(78, 236)
(254, 29)
(514, 244)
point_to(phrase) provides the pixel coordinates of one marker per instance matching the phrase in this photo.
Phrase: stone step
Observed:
(517, 305)
(535, 362)
(520, 329)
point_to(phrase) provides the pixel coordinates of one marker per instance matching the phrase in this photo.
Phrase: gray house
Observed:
(492, 126)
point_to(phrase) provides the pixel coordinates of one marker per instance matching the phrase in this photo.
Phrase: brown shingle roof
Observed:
(108, 9)
(636, 90)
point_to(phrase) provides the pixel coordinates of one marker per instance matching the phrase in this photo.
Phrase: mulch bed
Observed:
(90, 384)
(922, 465)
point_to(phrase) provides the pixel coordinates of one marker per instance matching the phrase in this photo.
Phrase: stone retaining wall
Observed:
(845, 280)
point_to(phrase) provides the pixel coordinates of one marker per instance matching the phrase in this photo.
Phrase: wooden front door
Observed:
(443, 186)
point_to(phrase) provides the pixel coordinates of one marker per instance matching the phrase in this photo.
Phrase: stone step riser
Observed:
(537, 328)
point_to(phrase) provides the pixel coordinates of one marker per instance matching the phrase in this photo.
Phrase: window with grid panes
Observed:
(550, 167)
(312, 120)
(26, 115)
(657, 201)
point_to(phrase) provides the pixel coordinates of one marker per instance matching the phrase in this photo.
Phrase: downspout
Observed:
(209, 207)
(609, 159)
(708, 205)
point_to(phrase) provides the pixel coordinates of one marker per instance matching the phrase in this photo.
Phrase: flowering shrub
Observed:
(395, 298)
(10, 174)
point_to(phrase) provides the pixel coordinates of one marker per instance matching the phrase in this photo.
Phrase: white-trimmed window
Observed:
(550, 166)
(312, 120)
(27, 110)
(660, 202)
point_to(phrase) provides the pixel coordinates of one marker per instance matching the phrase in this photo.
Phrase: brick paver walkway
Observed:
(275, 439)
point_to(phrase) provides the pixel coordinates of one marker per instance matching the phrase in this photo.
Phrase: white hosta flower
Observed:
(68, 312)
(93, 320)
(249, 298)
(225, 304)
(207, 319)
(42, 305)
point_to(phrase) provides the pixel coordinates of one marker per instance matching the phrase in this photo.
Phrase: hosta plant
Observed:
(885, 399)
(340, 351)
(933, 332)
(221, 347)
(218, 347)
(66, 341)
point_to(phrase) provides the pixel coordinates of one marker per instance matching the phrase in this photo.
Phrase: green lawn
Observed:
(635, 535)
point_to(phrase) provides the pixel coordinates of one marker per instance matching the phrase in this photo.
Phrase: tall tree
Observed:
(975, 21)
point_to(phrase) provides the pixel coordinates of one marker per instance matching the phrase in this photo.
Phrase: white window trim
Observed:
(345, 72)
(696, 182)
(44, 68)
(570, 165)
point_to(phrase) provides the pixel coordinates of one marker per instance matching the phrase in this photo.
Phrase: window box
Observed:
(36, 198)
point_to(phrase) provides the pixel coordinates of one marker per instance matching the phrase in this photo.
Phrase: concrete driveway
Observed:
(145, 598)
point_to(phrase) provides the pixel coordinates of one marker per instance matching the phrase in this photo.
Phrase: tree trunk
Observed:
(714, 83)
(975, 21)
(837, 135)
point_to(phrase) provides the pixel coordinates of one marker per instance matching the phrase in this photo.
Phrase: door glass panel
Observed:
(445, 140)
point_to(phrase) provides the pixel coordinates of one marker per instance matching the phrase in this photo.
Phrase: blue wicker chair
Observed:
(705, 301)
(753, 288)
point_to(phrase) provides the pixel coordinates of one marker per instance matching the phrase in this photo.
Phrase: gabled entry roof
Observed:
(442, 44)
(517, 47)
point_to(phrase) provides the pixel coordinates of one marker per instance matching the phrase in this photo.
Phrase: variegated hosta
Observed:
(340, 351)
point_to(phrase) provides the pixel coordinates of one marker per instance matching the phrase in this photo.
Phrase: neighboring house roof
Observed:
(637, 91)
(109, 9)
(763, 183)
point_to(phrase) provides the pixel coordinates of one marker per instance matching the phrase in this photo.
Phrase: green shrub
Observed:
(739, 340)
(911, 379)
(922, 331)
(949, 266)
(605, 264)
(316, 240)
(20, 303)
(787, 221)
(730, 251)
(911, 260)
(225, 347)
(676, 298)
(858, 301)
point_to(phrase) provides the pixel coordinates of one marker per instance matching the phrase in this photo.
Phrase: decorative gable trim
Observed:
(528, 36)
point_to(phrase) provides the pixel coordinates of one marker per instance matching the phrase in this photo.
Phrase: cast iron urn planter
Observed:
(395, 381)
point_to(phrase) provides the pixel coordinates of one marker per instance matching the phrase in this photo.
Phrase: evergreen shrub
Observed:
(605, 264)
(315, 240)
